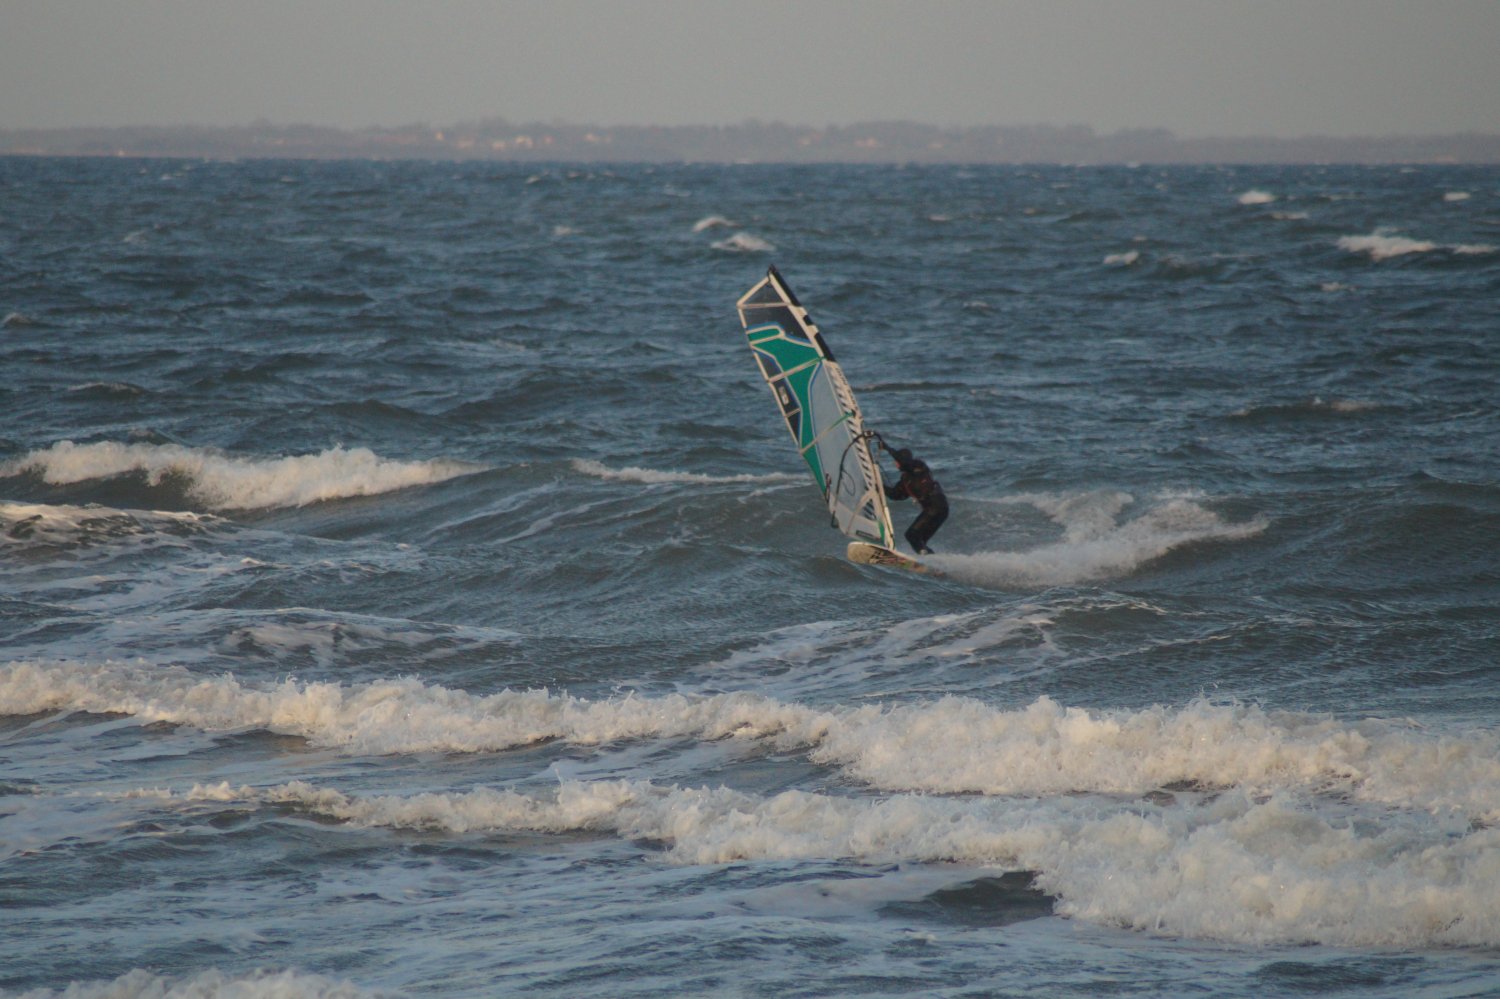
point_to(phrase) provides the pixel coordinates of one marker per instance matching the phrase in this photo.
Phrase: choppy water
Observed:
(407, 586)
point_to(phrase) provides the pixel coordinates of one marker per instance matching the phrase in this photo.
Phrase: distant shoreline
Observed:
(751, 142)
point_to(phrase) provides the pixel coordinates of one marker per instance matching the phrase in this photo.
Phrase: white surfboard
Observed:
(867, 554)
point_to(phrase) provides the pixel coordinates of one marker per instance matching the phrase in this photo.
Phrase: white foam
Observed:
(223, 482)
(1279, 869)
(1096, 544)
(1381, 246)
(711, 222)
(64, 524)
(951, 745)
(117, 388)
(394, 716)
(1452, 196)
(1255, 197)
(1122, 259)
(744, 242)
(632, 473)
(211, 984)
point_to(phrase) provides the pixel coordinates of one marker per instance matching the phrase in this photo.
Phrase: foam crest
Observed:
(951, 745)
(143, 984)
(1381, 246)
(652, 476)
(1096, 544)
(70, 526)
(711, 222)
(744, 242)
(958, 745)
(222, 482)
(395, 716)
(1281, 869)
(1255, 197)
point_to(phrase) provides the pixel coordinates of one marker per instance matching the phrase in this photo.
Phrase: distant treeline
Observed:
(748, 142)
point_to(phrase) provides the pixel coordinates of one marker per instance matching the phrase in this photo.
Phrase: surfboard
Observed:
(867, 554)
(820, 411)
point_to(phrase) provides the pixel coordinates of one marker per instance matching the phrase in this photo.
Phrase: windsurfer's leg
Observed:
(923, 528)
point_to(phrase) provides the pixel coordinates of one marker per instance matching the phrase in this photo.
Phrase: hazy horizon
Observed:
(1273, 68)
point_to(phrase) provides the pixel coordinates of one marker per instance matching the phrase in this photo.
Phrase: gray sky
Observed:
(1198, 67)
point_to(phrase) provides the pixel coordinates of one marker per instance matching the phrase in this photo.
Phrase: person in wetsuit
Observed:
(917, 483)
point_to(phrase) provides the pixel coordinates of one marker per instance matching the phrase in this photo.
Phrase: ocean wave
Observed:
(64, 526)
(107, 390)
(1230, 867)
(1096, 544)
(1316, 406)
(223, 482)
(143, 984)
(1382, 246)
(744, 242)
(1256, 197)
(712, 222)
(950, 745)
(632, 473)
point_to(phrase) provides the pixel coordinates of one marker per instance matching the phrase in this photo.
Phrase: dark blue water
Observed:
(407, 584)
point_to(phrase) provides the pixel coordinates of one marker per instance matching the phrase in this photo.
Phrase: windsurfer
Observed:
(917, 483)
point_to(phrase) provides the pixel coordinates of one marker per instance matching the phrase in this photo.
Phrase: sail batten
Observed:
(818, 407)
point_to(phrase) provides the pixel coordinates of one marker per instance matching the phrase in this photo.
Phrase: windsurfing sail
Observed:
(818, 407)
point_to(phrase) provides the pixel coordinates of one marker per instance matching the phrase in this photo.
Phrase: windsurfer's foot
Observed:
(924, 550)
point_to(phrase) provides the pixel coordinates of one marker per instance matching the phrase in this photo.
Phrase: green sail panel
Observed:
(819, 409)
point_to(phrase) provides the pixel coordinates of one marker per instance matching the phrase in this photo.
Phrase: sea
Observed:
(408, 585)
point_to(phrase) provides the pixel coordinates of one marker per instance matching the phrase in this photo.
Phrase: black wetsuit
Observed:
(917, 483)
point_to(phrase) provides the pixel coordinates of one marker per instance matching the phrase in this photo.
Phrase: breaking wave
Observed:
(64, 526)
(1228, 866)
(1381, 246)
(948, 746)
(743, 242)
(211, 984)
(633, 473)
(1096, 544)
(224, 482)
(711, 222)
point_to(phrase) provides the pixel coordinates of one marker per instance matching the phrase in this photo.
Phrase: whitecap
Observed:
(1383, 247)
(632, 473)
(711, 222)
(1231, 866)
(1122, 259)
(1096, 544)
(1452, 196)
(225, 482)
(744, 242)
(1255, 197)
(952, 745)
(144, 984)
